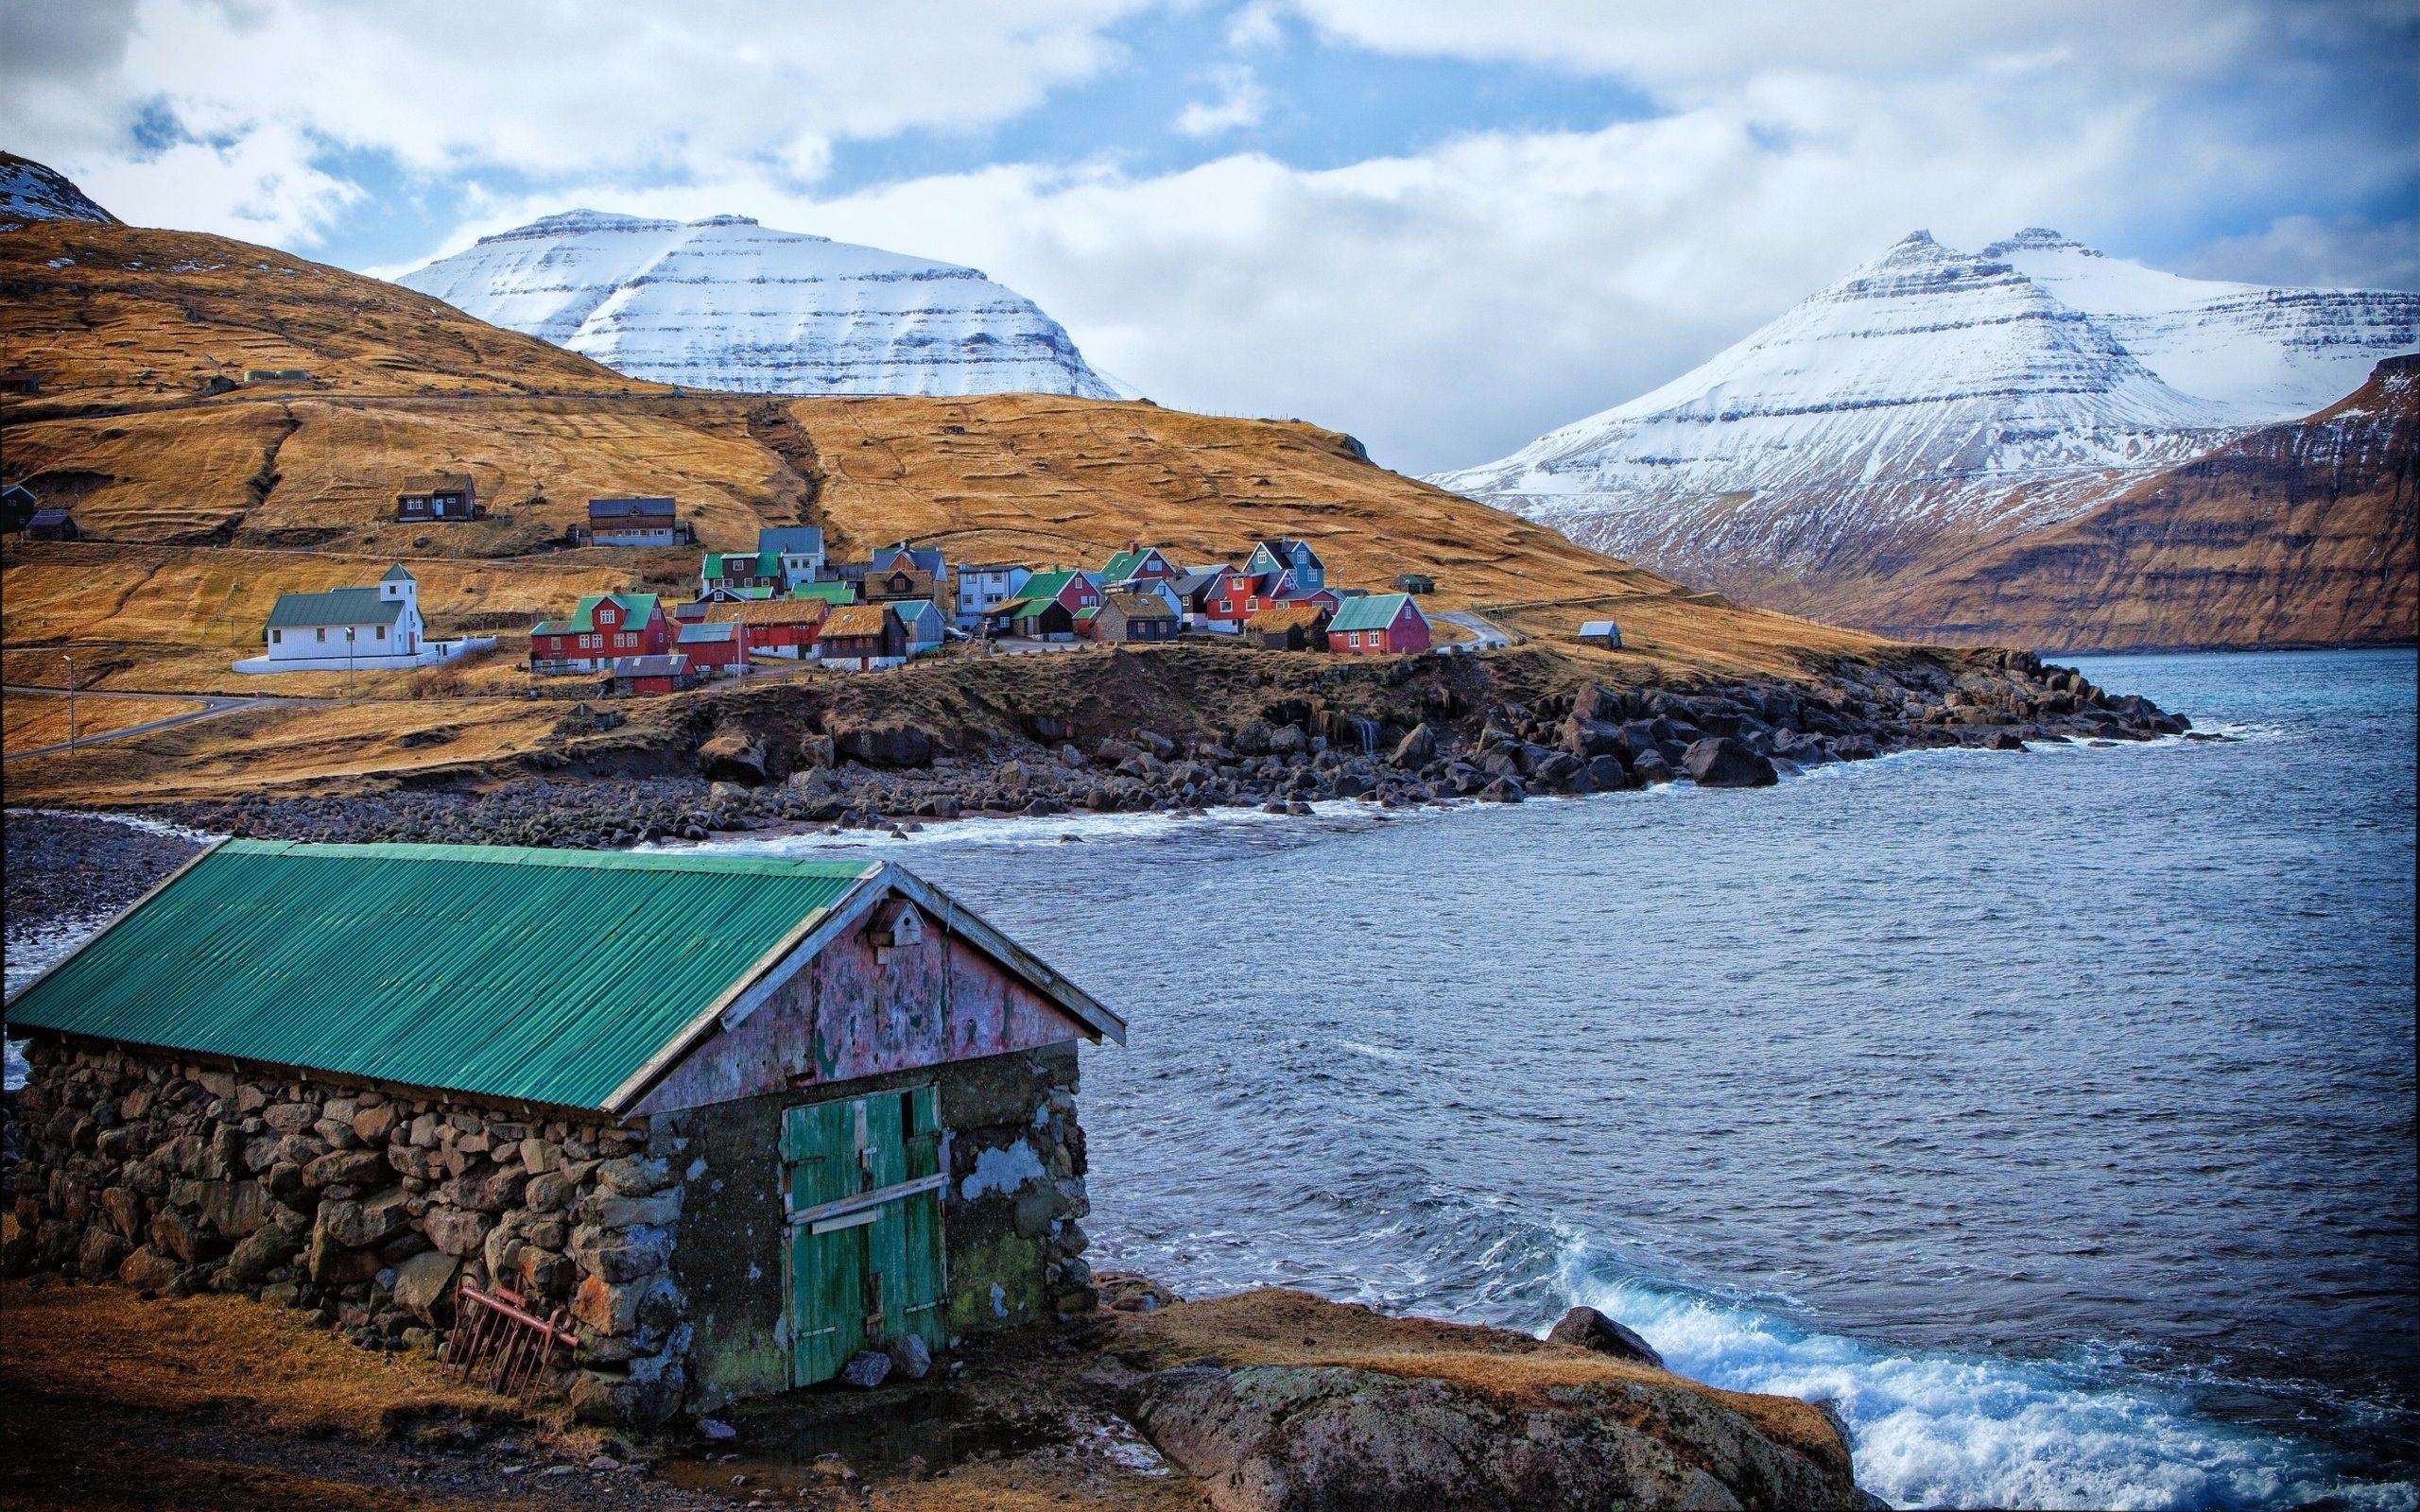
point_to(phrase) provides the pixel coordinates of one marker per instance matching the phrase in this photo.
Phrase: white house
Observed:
(798, 549)
(365, 629)
(983, 587)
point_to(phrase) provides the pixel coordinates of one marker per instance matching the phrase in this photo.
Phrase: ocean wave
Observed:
(1942, 1430)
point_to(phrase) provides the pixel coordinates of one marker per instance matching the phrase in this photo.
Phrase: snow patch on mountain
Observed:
(727, 303)
(32, 192)
(1935, 398)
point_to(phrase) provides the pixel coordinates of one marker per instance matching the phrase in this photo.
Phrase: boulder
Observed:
(1718, 761)
(456, 1230)
(622, 1255)
(148, 1270)
(422, 1287)
(638, 1306)
(910, 1357)
(372, 1124)
(867, 1369)
(1587, 1329)
(102, 1252)
(889, 742)
(371, 1220)
(634, 1176)
(1596, 703)
(1309, 1438)
(1503, 790)
(731, 756)
(1416, 750)
(348, 1168)
(262, 1252)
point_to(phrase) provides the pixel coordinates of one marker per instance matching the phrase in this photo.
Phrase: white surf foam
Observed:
(1938, 1430)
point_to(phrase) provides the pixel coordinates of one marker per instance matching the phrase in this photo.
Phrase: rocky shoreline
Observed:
(743, 771)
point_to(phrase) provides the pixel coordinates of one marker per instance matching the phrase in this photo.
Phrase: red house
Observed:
(1378, 624)
(605, 626)
(713, 647)
(776, 627)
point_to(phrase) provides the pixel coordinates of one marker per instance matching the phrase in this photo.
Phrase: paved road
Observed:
(211, 705)
(1488, 636)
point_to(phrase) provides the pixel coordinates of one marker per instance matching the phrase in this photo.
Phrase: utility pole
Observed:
(70, 660)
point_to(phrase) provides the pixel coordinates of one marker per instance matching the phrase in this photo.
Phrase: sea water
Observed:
(2052, 1113)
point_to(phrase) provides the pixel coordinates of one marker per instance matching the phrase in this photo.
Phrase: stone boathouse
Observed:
(743, 1118)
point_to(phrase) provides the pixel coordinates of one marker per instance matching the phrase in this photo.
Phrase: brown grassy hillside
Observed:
(117, 315)
(202, 506)
(2294, 535)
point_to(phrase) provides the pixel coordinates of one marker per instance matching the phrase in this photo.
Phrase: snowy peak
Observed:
(29, 192)
(725, 303)
(2037, 239)
(1933, 399)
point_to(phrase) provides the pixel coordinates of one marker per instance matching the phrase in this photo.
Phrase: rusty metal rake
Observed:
(498, 1343)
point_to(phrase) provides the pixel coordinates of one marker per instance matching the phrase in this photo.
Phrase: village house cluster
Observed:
(786, 600)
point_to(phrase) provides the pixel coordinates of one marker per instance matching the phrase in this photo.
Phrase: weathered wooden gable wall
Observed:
(846, 1014)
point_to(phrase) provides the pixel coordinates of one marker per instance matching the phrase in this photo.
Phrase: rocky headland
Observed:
(1176, 730)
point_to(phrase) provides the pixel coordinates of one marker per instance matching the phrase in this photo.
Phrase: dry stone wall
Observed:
(365, 1206)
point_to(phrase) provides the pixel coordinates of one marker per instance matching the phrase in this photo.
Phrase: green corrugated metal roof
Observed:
(338, 606)
(1374, 612)
(395, 574)
(758, 563)
(637, 609)
(549, 975)
(831, 593)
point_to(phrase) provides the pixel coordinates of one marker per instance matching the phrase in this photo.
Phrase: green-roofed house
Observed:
(739, 1118)
(1378, 624)
(739, 570)
(604, 626)
(372, 626)
(1047, 607)
(1139, 562)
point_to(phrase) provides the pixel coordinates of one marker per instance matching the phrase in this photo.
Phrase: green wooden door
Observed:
(861, 1178)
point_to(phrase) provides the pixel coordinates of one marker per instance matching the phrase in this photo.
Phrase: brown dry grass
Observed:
(31, 719)
(206, 510)
(103, 1344)
(1282, 1327)
(131, 317)
(279, 746)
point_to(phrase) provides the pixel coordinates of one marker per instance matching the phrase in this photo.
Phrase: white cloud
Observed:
(1239, 104)
(1255, 26)
(2308, 253)
(1447, 303)
(541, 90)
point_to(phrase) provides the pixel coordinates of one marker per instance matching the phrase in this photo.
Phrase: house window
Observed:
(321, 634)
(277, 637)
(382, 633)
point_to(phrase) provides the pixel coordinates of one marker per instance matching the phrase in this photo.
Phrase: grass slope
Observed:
(204, 507)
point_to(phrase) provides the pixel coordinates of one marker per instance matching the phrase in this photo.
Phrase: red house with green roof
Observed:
(605, 626)
(1378, 624)
(1045, 609)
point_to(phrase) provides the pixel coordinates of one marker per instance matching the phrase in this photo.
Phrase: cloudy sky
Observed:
(1442, 226)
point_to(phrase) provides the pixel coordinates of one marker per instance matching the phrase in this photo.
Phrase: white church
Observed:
(362, 628)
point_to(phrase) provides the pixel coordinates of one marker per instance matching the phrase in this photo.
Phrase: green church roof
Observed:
(338, 606)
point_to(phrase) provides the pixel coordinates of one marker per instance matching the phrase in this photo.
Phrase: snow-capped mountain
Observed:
(29, 191)
(1933, 400)
(727, 303)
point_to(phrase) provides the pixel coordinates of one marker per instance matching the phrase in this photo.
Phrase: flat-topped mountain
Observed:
(727, 303)
(1935, 403)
